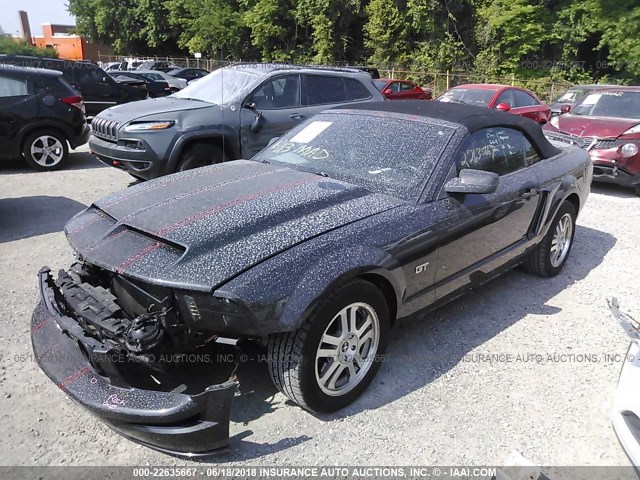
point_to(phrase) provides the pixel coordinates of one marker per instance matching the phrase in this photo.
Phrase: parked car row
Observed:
(234, 113)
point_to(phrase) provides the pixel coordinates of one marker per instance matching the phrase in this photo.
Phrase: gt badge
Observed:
(422, 267)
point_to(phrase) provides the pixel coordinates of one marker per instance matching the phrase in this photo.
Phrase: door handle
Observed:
(529, 192)
(297, 116)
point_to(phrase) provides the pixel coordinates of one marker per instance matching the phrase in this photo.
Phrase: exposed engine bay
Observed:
(134, 319)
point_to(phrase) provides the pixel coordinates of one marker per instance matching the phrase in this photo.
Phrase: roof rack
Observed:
(290, 66)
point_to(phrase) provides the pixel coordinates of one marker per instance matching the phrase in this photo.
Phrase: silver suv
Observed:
(231, 113)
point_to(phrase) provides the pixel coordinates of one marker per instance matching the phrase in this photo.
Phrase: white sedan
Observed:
(174, 83)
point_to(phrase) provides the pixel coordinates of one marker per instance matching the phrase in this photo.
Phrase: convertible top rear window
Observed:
(383, 153)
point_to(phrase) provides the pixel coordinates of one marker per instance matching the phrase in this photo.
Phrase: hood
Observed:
(599, 127)
(153, 106)
(200, 228)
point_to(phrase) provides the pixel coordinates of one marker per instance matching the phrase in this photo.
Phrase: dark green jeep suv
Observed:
(231, 113)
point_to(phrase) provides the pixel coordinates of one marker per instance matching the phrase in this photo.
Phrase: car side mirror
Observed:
(503, 107)
(387, 91)
(473, 181)
(565, 108)
(249, 104)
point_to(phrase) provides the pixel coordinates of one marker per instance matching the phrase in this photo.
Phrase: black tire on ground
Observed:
(637, 190)
(292, 355)
(200, 155)
(36, 153)
(539, 261)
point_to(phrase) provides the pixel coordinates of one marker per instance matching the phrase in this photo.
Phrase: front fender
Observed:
(227, 136)
(330, 271)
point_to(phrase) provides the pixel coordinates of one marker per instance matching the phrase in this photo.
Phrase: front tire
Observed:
(331, 359)
(45, 150)
(551, 254)
(200, 155)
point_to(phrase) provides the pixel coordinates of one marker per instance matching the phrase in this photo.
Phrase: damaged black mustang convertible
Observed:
(355, 218)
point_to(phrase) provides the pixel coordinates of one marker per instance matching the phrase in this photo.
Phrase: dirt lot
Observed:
(436, 401)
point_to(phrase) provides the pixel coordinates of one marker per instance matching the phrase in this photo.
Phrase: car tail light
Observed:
(74, 101)
(165, 85)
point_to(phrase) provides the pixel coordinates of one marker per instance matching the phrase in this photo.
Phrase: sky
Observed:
(40, 11)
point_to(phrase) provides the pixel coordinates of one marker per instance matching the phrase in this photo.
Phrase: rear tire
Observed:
(551, 254)
(636, 189)
(326, 364)
(200, 155)
(45, 150)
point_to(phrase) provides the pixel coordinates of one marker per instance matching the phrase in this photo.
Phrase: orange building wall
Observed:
(71, 47)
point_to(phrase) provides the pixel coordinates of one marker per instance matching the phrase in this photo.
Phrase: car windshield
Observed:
(380, 84)
(221, 87)
(610, 104)
(572, 95)
(469, 96)
(384, 154)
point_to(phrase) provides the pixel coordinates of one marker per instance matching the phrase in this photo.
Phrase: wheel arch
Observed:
(218, 138)
(42, 125)
(310, 289)
(383, 284)
(574, 199)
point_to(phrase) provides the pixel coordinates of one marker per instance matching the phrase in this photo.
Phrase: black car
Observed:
(161, 66)
(188, 73)
(375, 74)
(231, 113)
(155, 88)
(98, 89)
(41, 115)
(354, 219)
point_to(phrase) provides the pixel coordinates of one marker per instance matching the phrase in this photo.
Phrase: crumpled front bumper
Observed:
(171, 422)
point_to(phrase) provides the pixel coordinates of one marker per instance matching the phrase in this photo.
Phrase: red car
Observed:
(402, 90)
(607, 124)
(501, 97)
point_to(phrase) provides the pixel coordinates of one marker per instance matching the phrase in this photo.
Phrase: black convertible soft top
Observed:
(471, 117)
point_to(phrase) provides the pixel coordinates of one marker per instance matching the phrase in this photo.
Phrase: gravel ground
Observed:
(436, 401)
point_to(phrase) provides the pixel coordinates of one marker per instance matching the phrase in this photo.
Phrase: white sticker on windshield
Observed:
(310, 132)
(592, 99)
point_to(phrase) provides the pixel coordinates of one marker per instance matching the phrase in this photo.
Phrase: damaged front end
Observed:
(110, 344)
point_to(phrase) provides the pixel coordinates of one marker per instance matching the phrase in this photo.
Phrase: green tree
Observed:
(508, 31)
(621, 34)
(131, 26)
(11, 46)
(213, 27)
(274, 28)
(386, 31)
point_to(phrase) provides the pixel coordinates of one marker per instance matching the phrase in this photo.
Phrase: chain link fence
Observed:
(439, 82)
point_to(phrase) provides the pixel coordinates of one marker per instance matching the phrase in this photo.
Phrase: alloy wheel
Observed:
(561, 241)
(47, 151)
(347, 349)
